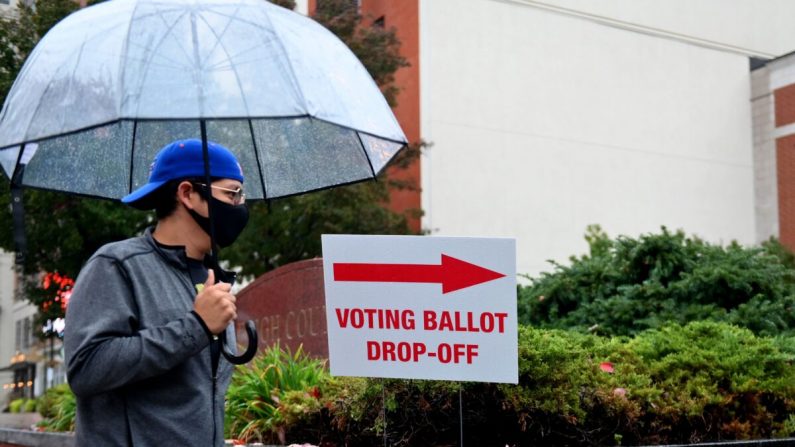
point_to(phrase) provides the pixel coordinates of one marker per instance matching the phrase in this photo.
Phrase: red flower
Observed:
(314, 392)
(606, 367)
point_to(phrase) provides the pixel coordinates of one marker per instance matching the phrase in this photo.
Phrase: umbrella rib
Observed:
(188, 57)
(293, 78)
(123, 66)
(132, 155)
(237, 78)
(156, 13)
(259, 163)
(160, 42)
(71, 82)
(366, 155)
(291, 70)
(155, 64)
(235, 18)
(255, 24)
(38, 105)
(16, 166)
(236, 55)
(217, 37)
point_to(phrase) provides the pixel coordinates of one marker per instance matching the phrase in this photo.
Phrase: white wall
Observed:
(8, 9)
(765, 175)
(7, 285)
(760, 25)
(10, 312)
(542, 124)
(302, 7)
(6, 319)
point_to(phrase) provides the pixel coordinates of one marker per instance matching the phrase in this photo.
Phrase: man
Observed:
(141, 342)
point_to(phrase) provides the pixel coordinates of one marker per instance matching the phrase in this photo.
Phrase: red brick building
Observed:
(773, 103)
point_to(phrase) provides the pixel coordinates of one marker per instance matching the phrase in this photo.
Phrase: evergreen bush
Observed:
(704, 381)
(627, 285)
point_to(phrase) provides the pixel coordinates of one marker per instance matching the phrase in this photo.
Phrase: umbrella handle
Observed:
(250, 351)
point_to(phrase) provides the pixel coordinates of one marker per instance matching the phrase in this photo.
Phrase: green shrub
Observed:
(22, 405)
(677, 384)
(411, 412)
(58, 408)
(627, 285)
(717, 381)
(15, 406)
(273, 394)
(704, 381)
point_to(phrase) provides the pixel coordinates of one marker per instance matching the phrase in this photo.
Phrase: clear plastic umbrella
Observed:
(111, 84)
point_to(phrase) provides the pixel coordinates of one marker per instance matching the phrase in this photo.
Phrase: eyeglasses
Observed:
(237, 196)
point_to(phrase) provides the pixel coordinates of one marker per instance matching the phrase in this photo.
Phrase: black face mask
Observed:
(230, 220)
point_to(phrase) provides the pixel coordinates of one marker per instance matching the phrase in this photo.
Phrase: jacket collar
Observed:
(177, 256)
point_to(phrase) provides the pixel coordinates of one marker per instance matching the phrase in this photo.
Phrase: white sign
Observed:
(421, 307)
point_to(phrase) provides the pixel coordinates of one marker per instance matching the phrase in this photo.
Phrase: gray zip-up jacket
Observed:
(138, 359)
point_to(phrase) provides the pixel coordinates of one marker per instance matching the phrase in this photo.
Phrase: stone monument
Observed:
(288, 307)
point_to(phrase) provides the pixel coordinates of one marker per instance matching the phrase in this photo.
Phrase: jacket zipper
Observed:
(213, 367)
(215, 424)
(215, 358)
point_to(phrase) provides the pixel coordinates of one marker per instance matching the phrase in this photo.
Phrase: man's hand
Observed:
(215, 305)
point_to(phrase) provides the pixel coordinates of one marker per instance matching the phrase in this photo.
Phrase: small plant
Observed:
(275, 392)
(30, 406)
(58, 407)
(16, 405)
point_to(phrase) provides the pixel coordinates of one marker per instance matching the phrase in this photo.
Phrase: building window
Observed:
(27, 331)
(24, 377)
(380, 22)
(18, 337)
(32, 334)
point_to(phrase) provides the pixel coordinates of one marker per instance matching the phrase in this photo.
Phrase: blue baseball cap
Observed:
(184, 159)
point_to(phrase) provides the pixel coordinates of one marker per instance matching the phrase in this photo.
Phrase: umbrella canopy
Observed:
(113, 83)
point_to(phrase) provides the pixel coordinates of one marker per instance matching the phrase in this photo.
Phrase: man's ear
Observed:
(184, 193)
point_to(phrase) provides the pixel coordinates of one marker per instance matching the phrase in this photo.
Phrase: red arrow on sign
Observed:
(453, 274)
